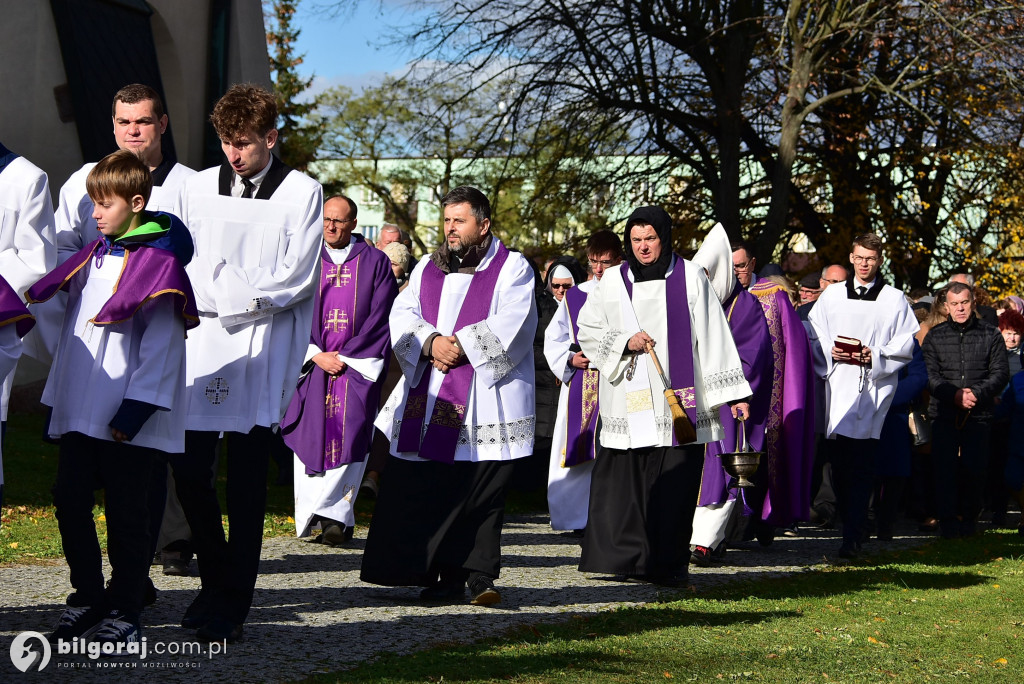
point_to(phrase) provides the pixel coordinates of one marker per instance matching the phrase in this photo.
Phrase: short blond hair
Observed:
(121, 174)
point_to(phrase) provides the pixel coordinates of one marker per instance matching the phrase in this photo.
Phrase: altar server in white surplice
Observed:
(645, 483)
(257, 227)
(879, 328)
(139, 122)
(463, 335)
(574, 444)
(27, 249)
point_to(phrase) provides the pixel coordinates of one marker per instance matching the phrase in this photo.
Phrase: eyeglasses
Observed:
(560, 286)
(857, 259)
(332, 222)
(745, 266)
(601, 262)
(833, 282)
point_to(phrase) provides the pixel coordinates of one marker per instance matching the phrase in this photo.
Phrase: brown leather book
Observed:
(852, 346)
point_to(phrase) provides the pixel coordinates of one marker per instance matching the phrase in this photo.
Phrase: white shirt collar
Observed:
(237, 187)
(858, 284)
(339, 255)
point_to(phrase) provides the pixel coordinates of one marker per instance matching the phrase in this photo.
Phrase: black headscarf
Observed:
(659, 219)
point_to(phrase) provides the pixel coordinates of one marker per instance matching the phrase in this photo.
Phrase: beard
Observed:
(460, 246)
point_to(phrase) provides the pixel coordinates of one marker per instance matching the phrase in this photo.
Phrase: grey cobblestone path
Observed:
(312, 614)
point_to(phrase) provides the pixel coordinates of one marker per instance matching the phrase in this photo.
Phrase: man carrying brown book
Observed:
(866, 331)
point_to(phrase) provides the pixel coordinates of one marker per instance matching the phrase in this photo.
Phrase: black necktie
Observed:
(861, 291)
(249, 185)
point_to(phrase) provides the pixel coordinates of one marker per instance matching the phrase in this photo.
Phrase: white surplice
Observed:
(568, 488)
(27, 248)
(253, 275)
(604, 332)
(500, 418)
(98, 366)
(886, 326)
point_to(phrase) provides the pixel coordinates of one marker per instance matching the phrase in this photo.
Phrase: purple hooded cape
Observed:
(329, 422)
(750, 332)
(148, 272)
(789, 433)
(12, 310)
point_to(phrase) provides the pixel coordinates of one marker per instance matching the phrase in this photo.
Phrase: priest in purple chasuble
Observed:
(463, 333)
(783, 492)
(329, 422)
(645, 483)
(750, 332)
(574, 445)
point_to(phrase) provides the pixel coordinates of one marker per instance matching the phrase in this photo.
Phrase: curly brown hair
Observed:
(244, 107)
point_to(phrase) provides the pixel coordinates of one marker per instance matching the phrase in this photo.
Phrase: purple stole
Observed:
(449, 412)
(12, 310)
(148, 272)
(328, 421)
(680, 339)
(581, 429)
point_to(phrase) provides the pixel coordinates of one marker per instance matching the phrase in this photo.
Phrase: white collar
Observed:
(256, 180)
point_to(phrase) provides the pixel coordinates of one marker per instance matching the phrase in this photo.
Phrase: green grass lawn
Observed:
(947, 611)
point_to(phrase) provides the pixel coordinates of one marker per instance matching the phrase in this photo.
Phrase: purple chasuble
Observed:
(581, 428)
(680, 339)
(147, 273)
(329, 421)
(449, 412)
(750, 332)
(789, 432)
(13, 311)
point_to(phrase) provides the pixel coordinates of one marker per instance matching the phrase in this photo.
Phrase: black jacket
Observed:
(970, 355)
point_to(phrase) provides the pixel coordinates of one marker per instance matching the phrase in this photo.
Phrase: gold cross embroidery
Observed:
(334, 278)
(334, 405)
(337, 321)
(333, 452)
(345, 275)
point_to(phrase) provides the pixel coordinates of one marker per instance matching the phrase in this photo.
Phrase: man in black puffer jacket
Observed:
(967, 369)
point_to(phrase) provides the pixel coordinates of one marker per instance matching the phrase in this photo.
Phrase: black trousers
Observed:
(640, 517)
(853, 478)
(122, 470)
(960, 462)
(434, 519)
(228, 566)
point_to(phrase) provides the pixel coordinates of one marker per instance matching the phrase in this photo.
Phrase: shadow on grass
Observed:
(576, 649)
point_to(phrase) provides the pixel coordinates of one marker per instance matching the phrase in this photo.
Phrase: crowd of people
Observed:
(233, 313)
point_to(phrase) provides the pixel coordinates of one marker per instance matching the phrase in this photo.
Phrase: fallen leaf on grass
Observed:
(999, 661)
(668, 675)
(13, 545)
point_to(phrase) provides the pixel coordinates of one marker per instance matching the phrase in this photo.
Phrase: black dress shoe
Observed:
(336, 534)
(483, 591)
(218, 629)
(443, 591)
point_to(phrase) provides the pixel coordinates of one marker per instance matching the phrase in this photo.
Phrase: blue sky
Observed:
(351, 46)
